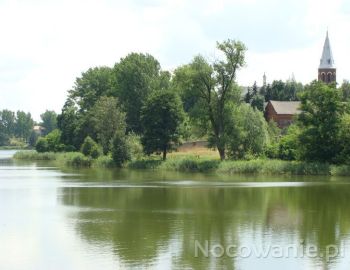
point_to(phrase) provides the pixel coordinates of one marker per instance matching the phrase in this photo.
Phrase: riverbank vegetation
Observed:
(135, 114)
(191, 163)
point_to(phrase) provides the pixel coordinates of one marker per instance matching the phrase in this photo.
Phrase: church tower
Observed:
(327, 72)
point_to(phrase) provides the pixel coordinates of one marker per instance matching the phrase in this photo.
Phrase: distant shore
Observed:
(193, 163)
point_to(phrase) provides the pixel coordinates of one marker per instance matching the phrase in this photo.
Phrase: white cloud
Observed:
(45, 45)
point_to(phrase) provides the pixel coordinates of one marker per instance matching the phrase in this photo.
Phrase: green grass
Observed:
(75, 159)
(34, 155)
(266, 166)
(103, 162)
(194, 163)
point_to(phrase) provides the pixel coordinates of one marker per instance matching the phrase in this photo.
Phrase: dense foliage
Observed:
(162, 117)
(90, 148)
(320, 122)
(247, 136)
(121, 151)
(213, 86)
(48, 121)
(15, 125)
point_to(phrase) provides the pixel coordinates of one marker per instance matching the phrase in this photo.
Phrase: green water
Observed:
(53, 218)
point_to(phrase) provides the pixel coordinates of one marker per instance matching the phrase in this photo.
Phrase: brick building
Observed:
(281, 112)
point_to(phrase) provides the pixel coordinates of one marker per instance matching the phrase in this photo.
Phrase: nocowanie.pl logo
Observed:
(204, 249)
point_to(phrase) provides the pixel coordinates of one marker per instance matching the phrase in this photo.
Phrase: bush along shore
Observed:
(190, 163)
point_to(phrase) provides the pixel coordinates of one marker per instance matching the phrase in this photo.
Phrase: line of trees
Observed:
(136, 108)
(16, 128)
(15, 125)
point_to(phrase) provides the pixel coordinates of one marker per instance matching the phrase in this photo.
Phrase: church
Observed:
(283, 112)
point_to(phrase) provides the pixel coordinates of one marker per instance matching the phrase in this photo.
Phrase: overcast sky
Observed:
(46, 44)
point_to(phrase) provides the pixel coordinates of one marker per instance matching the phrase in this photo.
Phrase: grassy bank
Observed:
(194, 163)
(13, 147)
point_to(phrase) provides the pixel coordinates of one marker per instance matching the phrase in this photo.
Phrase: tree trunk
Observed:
(222, 153)
(164, 154)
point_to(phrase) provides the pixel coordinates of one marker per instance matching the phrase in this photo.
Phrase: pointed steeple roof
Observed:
(327, 60)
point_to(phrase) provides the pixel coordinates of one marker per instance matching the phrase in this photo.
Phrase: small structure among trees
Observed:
(282, 112)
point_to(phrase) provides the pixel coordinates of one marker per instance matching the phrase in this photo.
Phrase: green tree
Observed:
(107, 119)
(247, 132)
(24, 125)
(67, 123)
(161, 117)
(7, 126)
(182, 83)
(136, 76)
(320, 121)
(49, 121)
(42, 145)
(282, 91)
(344, 139)
(345, 90)
(289, 145)
(214, 86)
(54, 141)
(120, 149)
(90, 148)
(91, 85)
(33, 138)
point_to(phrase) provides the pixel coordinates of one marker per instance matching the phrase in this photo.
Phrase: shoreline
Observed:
(192, 163)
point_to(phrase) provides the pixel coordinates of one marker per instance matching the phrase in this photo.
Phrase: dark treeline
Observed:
(277, 90)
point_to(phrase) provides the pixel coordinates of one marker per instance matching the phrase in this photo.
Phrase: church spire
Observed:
(327, 71)
(327, 60)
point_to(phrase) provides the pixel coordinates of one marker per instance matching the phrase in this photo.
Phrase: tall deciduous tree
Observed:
(137, 75)
(49, 121)
(215, 84)
(161, 117)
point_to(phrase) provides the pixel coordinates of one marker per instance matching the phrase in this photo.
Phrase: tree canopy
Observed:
(161, 117)
(320, 122)
(48, 121)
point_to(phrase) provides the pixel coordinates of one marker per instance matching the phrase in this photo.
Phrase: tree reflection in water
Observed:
(155, 218)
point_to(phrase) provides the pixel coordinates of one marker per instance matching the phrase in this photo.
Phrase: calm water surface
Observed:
(53, 218)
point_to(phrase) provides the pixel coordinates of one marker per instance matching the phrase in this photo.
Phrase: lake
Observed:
(55, 218)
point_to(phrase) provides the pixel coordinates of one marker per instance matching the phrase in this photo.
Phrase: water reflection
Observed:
(157, 224)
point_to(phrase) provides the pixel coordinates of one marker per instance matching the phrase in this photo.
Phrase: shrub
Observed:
(54, 141)
(289, 144)
(90, 148)
(42, 145)
(191, 164)
(76, 159)
(120, 150)
(34, 155)
(271, 150)
(134, 144)
(247, 133)
(104, 162)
